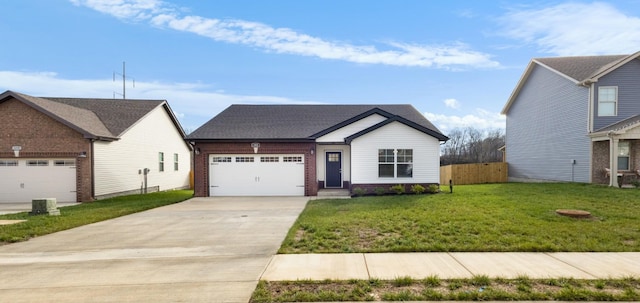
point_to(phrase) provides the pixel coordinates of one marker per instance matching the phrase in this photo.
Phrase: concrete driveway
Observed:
(200, 250)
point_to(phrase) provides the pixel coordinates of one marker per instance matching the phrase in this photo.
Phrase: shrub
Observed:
(379, 191)
(417, 189)
(434, 188)
(398, 189)
(359, 191)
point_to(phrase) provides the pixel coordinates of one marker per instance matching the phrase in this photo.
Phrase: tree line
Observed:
(470, 145)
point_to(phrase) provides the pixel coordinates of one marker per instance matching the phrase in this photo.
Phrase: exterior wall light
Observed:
(16, 150)
(255, 147)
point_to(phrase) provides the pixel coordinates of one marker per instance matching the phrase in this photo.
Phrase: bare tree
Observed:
(470, 145)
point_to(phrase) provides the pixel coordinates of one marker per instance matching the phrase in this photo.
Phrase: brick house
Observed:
(75, 149)
(250, 150)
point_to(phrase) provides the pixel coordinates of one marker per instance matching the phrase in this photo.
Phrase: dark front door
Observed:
(334, 169)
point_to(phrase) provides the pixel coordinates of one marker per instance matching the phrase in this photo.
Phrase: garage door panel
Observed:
(23, 183)
(256, 175)
(229, 177)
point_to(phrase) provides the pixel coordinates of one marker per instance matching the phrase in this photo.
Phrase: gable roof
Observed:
(101, 119)
(299, 122)
(581, 70)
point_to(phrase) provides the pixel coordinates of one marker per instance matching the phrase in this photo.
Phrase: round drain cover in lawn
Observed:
(574, 213)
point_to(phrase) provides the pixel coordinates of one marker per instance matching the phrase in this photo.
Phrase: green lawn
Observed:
(86, 213)
(492, 217)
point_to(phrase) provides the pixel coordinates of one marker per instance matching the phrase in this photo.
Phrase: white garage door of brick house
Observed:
(22, 180)
(256, 175)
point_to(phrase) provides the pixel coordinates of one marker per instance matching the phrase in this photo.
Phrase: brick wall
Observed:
(42, 137)
(201, 172)
(601, 159)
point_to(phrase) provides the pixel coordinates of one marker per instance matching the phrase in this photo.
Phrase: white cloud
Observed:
(287, 41)
(452, 103)
(481, 119)
(193, 103)
(572, 28)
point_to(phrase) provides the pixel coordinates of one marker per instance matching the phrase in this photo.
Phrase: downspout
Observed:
(590, 112)
(93, 172)
(592, 87)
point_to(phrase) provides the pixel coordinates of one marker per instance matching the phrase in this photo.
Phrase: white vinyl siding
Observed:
(426, 154)
(338, 135)
(117, 163)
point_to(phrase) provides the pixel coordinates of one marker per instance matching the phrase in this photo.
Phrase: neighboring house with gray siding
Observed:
(575, 119)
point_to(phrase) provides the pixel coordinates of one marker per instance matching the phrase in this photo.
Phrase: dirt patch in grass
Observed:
(299, 235)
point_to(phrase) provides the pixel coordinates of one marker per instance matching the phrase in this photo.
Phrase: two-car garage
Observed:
(22, 180)
(256, 175)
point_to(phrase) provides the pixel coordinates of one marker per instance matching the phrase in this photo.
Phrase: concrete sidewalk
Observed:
(388, 266)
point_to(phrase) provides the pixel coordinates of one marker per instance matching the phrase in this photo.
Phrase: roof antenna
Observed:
(124, 79)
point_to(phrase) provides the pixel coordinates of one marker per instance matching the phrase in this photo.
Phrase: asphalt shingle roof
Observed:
(633, 120)
(239, 122)
(582, 67)
(116, 114)
(98, 118)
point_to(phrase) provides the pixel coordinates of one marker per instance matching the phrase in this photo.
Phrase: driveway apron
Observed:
(200, 250)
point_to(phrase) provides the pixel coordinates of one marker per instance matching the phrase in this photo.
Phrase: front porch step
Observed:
(334, 193)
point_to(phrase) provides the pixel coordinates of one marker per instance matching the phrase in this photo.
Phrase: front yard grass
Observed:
(85, 213)
(511, 217)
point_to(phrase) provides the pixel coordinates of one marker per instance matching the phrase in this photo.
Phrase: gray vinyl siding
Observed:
(627, 79)
(547, 128)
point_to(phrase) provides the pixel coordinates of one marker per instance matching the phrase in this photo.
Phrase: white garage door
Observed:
(22, 180)
(256, 175)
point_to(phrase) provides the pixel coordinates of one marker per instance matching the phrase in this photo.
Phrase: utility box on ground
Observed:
(45, 206)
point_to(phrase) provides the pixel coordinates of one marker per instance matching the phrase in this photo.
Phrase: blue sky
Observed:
(455, 61)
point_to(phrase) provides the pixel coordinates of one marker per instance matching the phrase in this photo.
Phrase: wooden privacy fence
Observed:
(474, 173)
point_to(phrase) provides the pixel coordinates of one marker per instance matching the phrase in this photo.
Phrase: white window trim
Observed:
(395, 163)
(615, 102)
(620, 143)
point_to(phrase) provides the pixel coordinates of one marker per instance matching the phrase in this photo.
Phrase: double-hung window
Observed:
(623, 155)
(176, 165)
(395, 163)
(160, 161)
(404, 160)
(607, 101)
